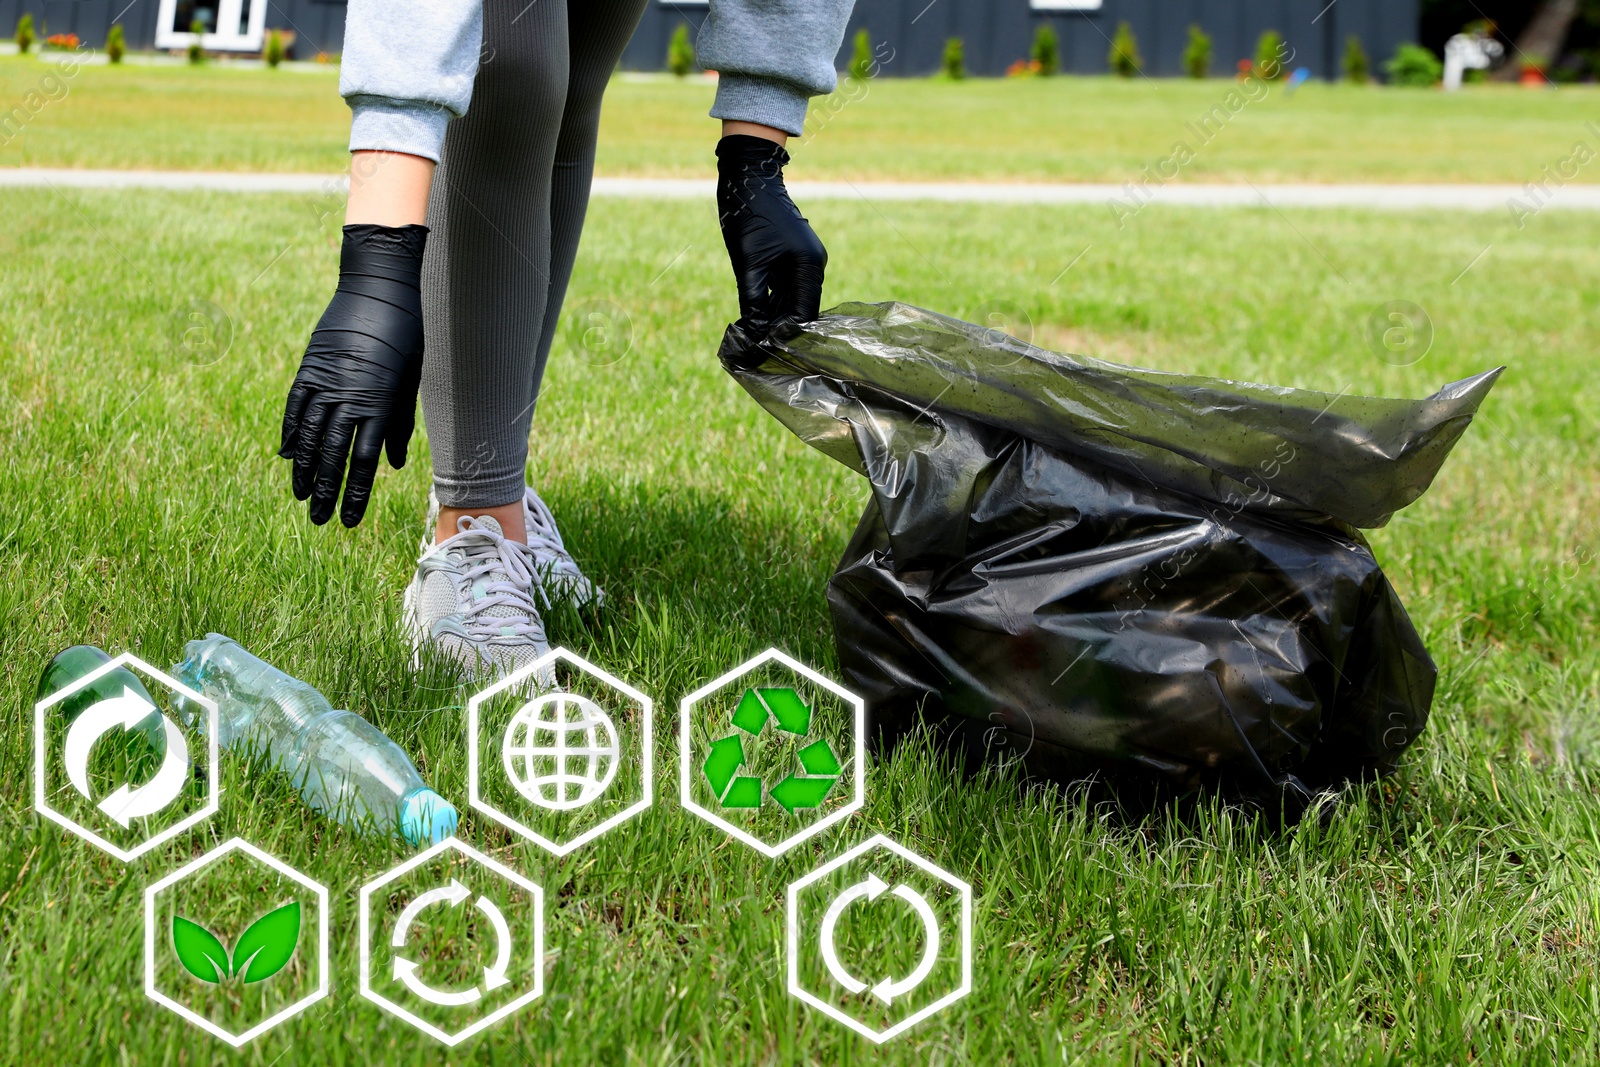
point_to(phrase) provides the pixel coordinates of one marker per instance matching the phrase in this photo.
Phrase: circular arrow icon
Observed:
(126, 712)
(872, 888)
(405, 972)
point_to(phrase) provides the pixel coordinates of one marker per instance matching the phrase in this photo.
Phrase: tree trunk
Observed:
(1542, 38)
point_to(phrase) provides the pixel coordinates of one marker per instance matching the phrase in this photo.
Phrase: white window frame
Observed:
(1065, 5)
(227, 15)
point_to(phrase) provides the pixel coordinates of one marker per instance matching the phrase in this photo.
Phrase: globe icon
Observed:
(560, 751)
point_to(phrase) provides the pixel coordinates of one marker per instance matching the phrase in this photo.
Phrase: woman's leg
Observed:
(597, 30)
(487, 274)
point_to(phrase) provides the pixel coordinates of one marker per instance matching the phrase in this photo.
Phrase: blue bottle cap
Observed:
(426, 817)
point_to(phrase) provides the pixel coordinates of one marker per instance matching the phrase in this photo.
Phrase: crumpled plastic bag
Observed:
(1108, 571)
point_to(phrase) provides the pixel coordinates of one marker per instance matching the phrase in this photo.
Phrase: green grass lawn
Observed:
(1451, 914)
(1057, 129)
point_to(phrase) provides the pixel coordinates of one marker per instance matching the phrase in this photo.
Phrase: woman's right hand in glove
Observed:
(355, 395)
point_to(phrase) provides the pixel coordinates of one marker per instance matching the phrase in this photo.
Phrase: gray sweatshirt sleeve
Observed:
(408, 65)
(407, 70)
(771, 57)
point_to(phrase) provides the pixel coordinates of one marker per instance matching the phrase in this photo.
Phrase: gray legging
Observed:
(507, 209)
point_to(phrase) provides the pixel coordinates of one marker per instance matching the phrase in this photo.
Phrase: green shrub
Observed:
(1046, 50)
(680, 53)
(954, 61)
(116, 44)
(1567, 73)
(861, 62)
(1197, 53)
(1269, 55)
(1414, 65)
(1357, 67)
(1124, 58)
(274, 51)
(24, 34)
(197, 54)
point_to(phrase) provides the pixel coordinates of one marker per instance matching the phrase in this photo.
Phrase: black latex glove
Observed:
(357, 384)
(777, 258)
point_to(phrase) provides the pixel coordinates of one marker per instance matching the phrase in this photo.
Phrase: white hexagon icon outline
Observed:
(455, 845)
(792, 936)
(42, 805)
(686, 756)
(236, 844)
(646, 744)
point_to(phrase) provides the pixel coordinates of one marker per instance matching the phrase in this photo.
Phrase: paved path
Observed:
(1457, 197)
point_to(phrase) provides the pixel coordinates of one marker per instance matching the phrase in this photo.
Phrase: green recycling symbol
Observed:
(791, 715)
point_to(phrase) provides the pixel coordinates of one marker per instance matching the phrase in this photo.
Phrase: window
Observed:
(227, 25)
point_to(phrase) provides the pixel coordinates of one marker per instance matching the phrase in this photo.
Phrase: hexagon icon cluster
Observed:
(235, 963)
(886, 992)
(143, 813)
(452, 940)
(772, 701)
(577, 760)
(411, 987)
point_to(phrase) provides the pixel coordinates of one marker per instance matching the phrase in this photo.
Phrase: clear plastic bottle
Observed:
(343, 765)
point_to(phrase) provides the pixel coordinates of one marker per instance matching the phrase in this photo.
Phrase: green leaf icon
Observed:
(263, 949)
(266, 946)
(201, 954)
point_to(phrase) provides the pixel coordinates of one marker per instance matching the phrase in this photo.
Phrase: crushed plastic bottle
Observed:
(343, 765)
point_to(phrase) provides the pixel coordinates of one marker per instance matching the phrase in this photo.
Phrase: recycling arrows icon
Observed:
(790, 714)
(494, 976)
(502, 899)
(871, 888)
(127, 712)
(746, 735)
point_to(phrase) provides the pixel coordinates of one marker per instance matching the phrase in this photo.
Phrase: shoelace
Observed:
(484, 552)
(554, 568)
(544, 539)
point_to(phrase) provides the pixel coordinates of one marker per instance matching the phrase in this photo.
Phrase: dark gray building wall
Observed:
(995, 32)
(318, 24)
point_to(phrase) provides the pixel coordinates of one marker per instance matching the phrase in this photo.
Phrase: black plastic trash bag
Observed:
(1104, 569)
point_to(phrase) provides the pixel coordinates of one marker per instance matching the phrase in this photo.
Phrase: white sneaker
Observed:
(554, 568)
(555, 573)
(473, 600)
